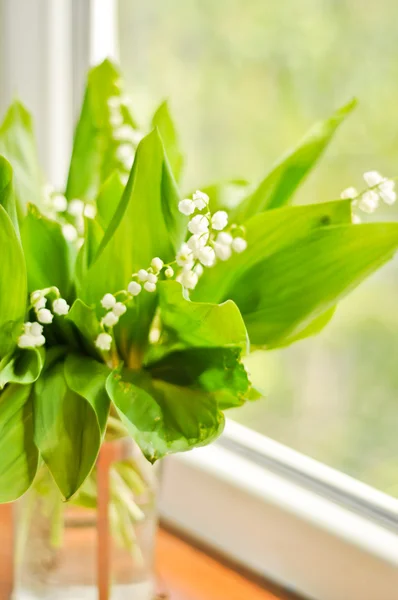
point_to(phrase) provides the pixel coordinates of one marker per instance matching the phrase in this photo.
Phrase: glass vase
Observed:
(99, 545)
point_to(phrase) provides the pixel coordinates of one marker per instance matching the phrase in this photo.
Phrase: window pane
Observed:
(245, 79)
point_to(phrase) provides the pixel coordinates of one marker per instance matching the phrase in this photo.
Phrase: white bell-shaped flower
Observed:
(76, 207)
(110, 319)
(142, 275)
(157, 263)
(198, 225)
(104, 341)
(186, 207)
(207, 256)
(69, 232)
(149, 286)
(223, 251)
(60, 306)
(387, 191)
(201, 200)
(35, 329)
(196, 242)
(219, 220)
(369, 201)
(26, 341)
(349, 193)
(108, 301)
(134, 288)
(239, 245)
(119, 309)
(224, 238)
(373, 178)
(184, 256)
(152, 278)
(44, 316)
(59, 202)
(189, 279)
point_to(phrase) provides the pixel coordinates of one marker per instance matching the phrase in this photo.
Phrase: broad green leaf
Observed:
(313, 328)
(215, 370)
(147, 224)
(187, 324)
(280, 184)
(200, 346)
(161, 417)
(87, 377)
(94, 154)
(48, 256)
(7, 196)
(163, 121)
(108, 199)
(93, 234)
(17, 144)
(67, 429)
(85, 320)
(24, 367)
(266, 234)
(19, 455)
(13, 289)
(281, 295)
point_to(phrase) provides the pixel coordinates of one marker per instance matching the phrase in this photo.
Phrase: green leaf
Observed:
(212, 370)
(47, 253)
(66, 424)
(94, 147)
(108, 199)
(188, 324)
(165, 125)
(200, 346)
(279, 185)
(147, 224)
(85, 320)
(313, 328)
(281, 295)
(266, 234)
(93, 235)
(17, 143)
(7, 196)
(87, 377)
(161, 417)
(12, 285)
(23, 367)
(19, 455)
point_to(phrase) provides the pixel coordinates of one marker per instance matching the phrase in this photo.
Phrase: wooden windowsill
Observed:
(187, 573)
(184, 571)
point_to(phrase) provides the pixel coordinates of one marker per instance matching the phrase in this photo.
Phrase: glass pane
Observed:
(245, 79)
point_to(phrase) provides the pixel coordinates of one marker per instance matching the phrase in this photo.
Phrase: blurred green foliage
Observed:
(245, 80)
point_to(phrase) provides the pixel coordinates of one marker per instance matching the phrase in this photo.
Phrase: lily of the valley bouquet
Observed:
(128, 308)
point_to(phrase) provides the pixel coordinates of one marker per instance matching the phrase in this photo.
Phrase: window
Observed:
(245, 80)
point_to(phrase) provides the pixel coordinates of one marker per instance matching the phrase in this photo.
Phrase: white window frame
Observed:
(287, 517)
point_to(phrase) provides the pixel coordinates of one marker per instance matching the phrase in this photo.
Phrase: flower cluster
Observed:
(71, 214)
(32, 335)
(379, 188)
(125, 136)
(144, 279)
(210, 239)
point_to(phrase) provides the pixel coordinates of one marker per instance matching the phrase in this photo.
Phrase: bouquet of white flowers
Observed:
(124, 304)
